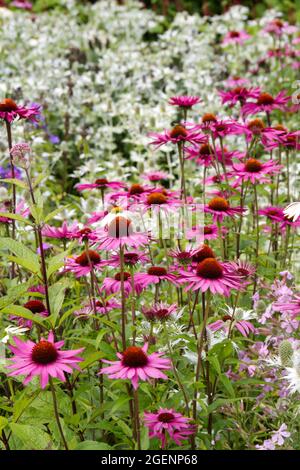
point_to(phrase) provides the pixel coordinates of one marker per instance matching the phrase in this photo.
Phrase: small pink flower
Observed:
(134, 364)
(83, 264)
(208, 232)
(119, 233)
(112, 285)
(65, 231)
(102, 306)
(254, 171)
(167, 421)
(219, 207)
(42, 359)
(21, 209)
(184, 101)
(100, 183)
(155, 176)
(154, 275)
(235, 37)
(266, 103)
(238, 95)
(36, 307)
(178, 134)
(159, 311)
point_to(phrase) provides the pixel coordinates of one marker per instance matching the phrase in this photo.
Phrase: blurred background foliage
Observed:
(290, 8)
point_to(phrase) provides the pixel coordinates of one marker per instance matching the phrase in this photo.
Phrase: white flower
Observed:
(293, 374)
(292, 211)
(12, 331)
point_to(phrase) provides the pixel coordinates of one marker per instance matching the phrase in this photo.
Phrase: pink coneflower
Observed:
(102, 306)
(208, 232)
(279, 27)
(154, 176)
(204, 155)
(255, 171)
(243, 268)
(274, 214)
(235, 37)
(83, 264)
(238, 95)
(120, 233)
(201, 254)
(292, 306)
(154, 275)
(211, 275)
(257, 129)
(23, 4)
(244, 326)
(9, 111)
(43, 359)
(100, 183)
(184, 101)
(85, 234)
(65, 231)
(112, 285)
(134, 364)
(36, 307)
(178, 134)
(167, 422)
(131, 259)
(21, 209)
(159, 311)
(221, 128)
(182, 257)
(266, 103)
(161, 201)
(236, 81)
(219, 207)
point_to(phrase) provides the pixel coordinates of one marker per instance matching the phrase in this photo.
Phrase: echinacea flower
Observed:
(120, 233)
(21, 209)
(219, 207)
(291, 306)
(9, 111)
(238, 95)
(131, 259)
(65, 232)
(135, 364)
(178, 134)
(208, 232)
(159, 311)
(212, 275)
(254, 171)
(235, 37)
(100, 183)
(44, 359)
(102, 306)
(273, 213)
(266, 103)
(83, 264)
(235, 318)
(154, 275)
(155, 175)
(292, 211)
(184, 101)
(243, 268)
(113, 285)
(36, 307)
(167, 422)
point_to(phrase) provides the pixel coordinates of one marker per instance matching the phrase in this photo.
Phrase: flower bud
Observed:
(285, 353)
(21, 155)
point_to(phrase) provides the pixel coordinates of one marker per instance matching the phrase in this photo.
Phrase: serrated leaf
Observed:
(18, 217)
(32, 437)
(56, 298)
(21, 252)
(15, 181)
(23, 312)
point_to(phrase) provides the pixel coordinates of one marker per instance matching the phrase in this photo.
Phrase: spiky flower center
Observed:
(226, 317)
(120, 227)
(157, 271)
(85, 232)
(178, 131)
(101, 182)
(84, 258)
(253, 166)
(203, 253)
(162, 313)
(265, 99)
(280, 127)
(157, 198)
(208, 117)
(165, 417)
(136, 189)
(35, 306)
(131, 258)
(278, 23)
(218, 204)
(256, 126)
(118, 276)
(8, 105)
(209, 268)
(243, 272)
(205, 149)
(234, 34)
(44, 353)
(208, 230)
(134, 356)
(183, 257)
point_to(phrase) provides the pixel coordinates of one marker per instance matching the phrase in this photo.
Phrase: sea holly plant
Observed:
(149, 236)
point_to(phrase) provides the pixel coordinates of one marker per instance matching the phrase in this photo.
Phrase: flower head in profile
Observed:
(100, 183)
(184, 101)
(255, 171)
(235, 318)
(159, 311)
(235, 37)
(102, 306)
(212, 275)
(9, 111)
(238, 95)
(64, 231)
(155, 175)
(155, 275)
(112, 285)
(83, 264)
(135, 364)
(43, 359)
(179, 133)
(219, 207)
(266, 103)
(168, 423)
(35, 307)
(119, 233)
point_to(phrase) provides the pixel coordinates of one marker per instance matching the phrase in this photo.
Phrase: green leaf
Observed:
(15, 181)
(227, 384)
(23, 253)
(92, 445)
(23, 312)
(56, 297)
(32, 437)
(18, 217)
(3, 423)
(54, 213)
(13, 294)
